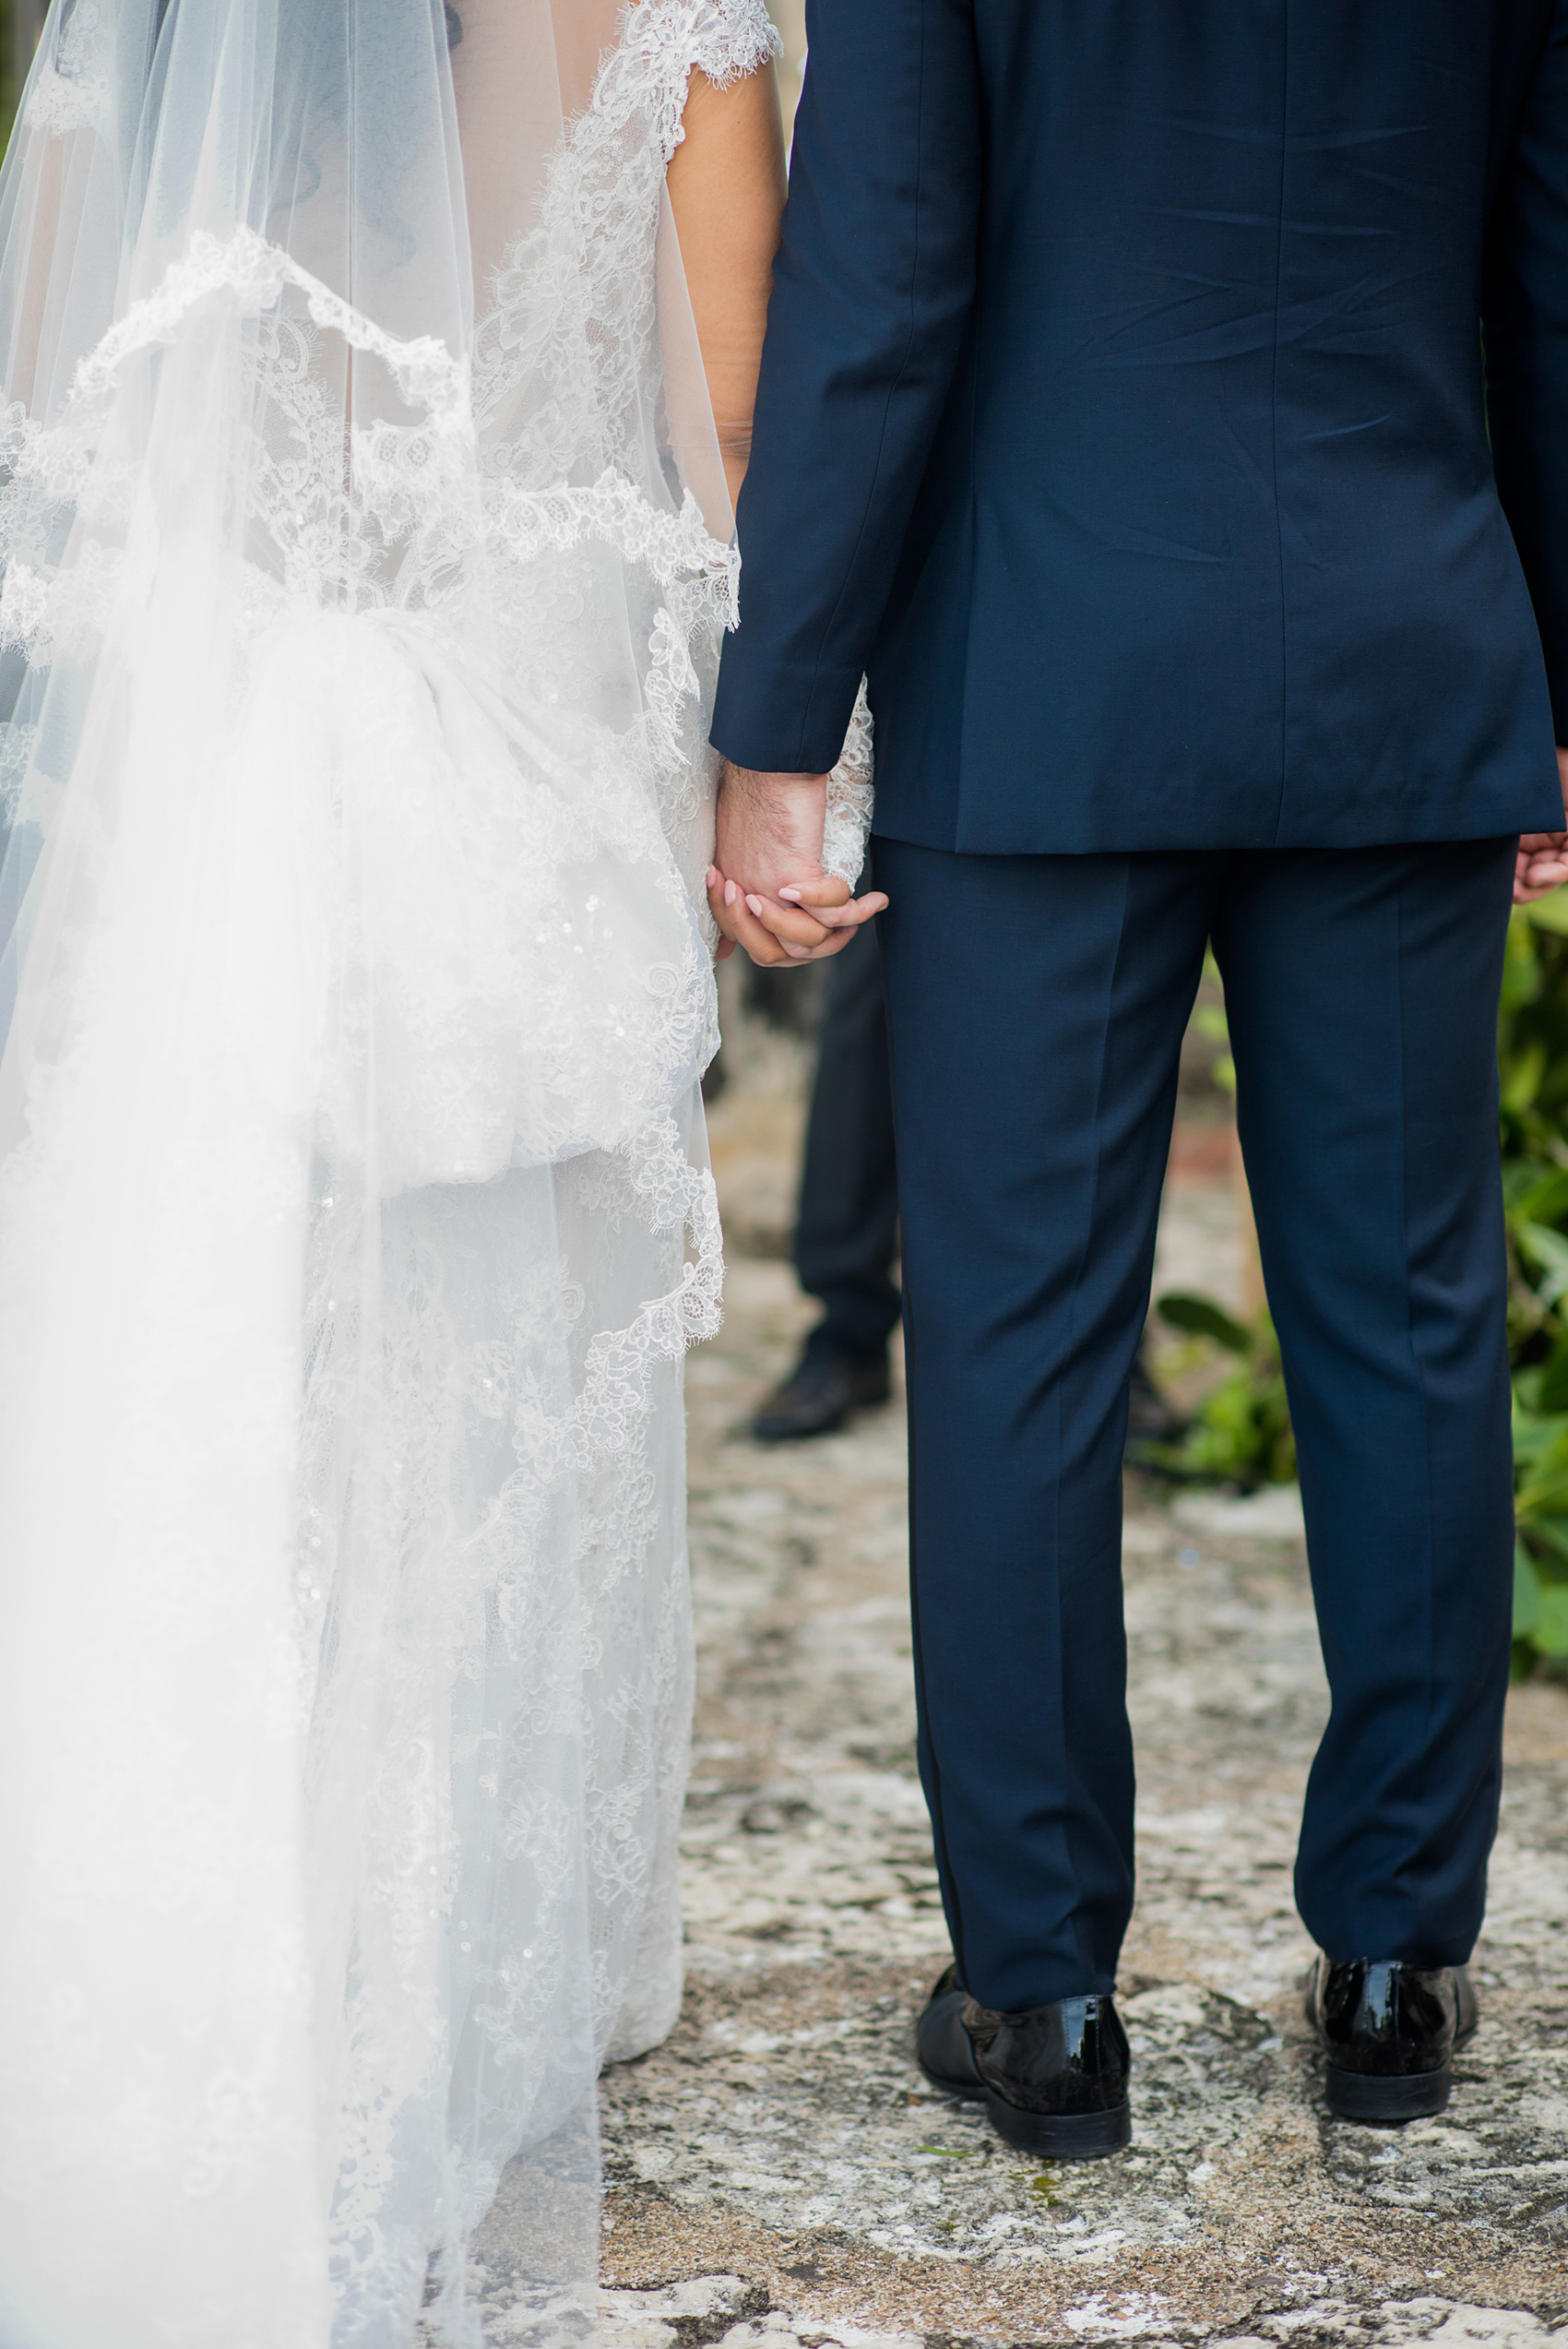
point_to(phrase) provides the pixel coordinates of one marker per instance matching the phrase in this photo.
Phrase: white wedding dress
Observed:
(367, 553)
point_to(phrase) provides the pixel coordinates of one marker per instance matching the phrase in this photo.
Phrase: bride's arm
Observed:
(727, 186)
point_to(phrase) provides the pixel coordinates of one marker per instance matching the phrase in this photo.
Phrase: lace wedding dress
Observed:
(365, 555)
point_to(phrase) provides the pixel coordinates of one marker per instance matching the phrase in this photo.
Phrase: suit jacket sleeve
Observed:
(1524, 325)
(872, 294)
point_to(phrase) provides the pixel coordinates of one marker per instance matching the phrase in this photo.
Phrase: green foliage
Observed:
(1201, 1317)
(10, 48)
(22, 22)
(1533, 1070)
(1240, 1432)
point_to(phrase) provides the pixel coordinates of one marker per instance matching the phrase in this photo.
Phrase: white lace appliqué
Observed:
(446, 1004)
(850, 799)
(70, 91)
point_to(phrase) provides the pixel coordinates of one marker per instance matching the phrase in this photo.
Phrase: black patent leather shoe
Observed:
(943, 2049)
(827, 1383)
(1389, 2032)
(1053, 2078)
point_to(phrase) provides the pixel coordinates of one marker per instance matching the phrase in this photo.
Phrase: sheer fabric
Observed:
(365, 553)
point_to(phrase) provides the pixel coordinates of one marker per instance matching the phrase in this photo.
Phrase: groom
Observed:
(1123, 415)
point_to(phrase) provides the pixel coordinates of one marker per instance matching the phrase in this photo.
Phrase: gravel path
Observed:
(778, 2174)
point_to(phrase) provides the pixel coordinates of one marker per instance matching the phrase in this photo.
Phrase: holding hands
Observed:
(1543, 856)
(765, 885)
(769, 894)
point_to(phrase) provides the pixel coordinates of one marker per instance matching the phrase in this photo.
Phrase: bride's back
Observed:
(366, 544)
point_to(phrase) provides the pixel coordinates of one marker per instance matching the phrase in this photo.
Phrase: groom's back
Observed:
(1208, 523)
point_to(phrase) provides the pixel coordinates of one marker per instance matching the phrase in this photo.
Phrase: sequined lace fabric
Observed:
(363, 580)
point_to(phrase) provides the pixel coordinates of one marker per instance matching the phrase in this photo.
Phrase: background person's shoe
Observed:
(1388, 2031)
(829, 1381)
(1053, 2078)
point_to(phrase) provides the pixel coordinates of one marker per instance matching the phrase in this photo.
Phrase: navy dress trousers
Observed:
(1165, 406)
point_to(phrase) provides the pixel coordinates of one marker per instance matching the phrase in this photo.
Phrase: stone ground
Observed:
(780, 2174)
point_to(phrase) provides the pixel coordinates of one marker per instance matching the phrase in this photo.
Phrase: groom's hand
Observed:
(1543, 856)
(765, 885)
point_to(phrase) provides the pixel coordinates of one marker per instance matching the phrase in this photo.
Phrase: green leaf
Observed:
(1541, 1445)
(1545, 1493)
(1549, 913)
(1533, 1441)
(1545, 1203)
(1549, 1537)
(1526, 1593)
(1550, 1632)
(1551, 1387)
(1520, 1178)
(1547, 1248)
(1207, 1319)
(1521, 1079)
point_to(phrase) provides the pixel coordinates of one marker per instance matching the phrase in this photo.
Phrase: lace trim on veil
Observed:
(407, 598)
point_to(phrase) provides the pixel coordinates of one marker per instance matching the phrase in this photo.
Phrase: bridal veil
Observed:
(366, 550)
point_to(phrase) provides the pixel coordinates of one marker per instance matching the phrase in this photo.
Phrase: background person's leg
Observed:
(1362, 991)
(1037, 1006)
(847, 1233)
(847, 1226)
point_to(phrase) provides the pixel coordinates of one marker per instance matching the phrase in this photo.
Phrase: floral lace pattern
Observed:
(395, 935)
(851, 796)
(70, 91)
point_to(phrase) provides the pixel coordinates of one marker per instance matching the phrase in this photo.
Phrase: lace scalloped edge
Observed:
(674, 1193)
(850, 799)
(38, 609)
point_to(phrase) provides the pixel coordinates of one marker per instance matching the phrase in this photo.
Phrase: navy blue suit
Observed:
(1166, 408)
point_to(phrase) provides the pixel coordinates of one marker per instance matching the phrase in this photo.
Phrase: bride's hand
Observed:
(773, 933)
(765, 885)
(1542, 861)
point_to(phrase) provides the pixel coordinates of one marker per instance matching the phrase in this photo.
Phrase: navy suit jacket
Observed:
(1123, 415)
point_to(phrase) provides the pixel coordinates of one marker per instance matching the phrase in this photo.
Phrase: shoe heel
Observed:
(1394, 2096)
(970, 2091)
(1063, 2136)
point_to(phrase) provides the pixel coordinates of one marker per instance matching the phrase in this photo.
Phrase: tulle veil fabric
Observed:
(365, 553)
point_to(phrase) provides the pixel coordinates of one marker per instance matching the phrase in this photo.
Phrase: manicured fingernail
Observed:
(731, 892)
(791, 892)
(755, 903)
(712, 875)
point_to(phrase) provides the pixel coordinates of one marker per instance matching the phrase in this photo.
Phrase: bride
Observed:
(366, 541)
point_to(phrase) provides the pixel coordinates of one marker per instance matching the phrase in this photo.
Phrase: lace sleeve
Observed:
(731, 38)
(671, 38)
(850, 799)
